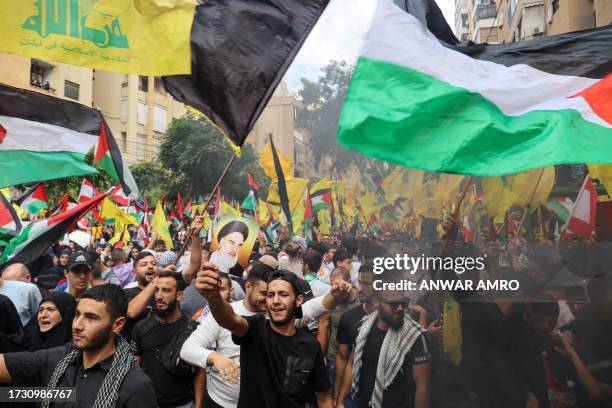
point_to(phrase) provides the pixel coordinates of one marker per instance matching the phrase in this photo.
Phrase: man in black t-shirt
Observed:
(405, 380)
(86, 363)
(348, 328)
(279, 365)
(152, 335)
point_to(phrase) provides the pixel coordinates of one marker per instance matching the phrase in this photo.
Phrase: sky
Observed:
(339, 35)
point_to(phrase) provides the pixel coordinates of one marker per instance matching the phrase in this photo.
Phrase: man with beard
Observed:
(390, 364)
(231, 237)
(280, 366)
(151, 336)
(141, 296)
(98, 364)
(348, 328)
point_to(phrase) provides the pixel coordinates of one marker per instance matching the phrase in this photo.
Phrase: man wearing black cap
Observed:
(231, 237)
(78, 274)
(280, 366)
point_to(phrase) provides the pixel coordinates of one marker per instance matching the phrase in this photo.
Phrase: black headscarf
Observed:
(11, 331)
(61, 333)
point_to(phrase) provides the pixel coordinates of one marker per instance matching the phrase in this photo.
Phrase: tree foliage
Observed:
(194, 153)
(322, 104)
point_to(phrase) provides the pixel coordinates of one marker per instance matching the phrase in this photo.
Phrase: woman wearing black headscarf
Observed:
(52, 326)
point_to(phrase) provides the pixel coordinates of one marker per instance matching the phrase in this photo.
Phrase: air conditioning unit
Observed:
(537, 30)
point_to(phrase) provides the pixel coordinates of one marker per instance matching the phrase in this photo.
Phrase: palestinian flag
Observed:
(250, 203)
(483, 110)
(187, 210)
(467, 229)
(34, 200)
(562, 208)
(322, 199)
(108, 156)
(252, 184)
(40, 234)
(240, 51)
(10, 223)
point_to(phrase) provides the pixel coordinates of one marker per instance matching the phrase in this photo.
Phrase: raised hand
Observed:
(208, 281)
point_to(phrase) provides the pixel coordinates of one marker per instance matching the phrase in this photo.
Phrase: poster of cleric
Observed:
(233, 242)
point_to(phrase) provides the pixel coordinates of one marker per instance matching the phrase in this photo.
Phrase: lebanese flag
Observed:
(87, 192)
(108, 156)
(582, 220)
(118, 196)
(34, 200)
(467, 230)
(10, 223)
(482, 110)
(322, 199)
(36, 238)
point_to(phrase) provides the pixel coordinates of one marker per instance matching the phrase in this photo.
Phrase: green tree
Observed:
(320, 112)
(195, 153)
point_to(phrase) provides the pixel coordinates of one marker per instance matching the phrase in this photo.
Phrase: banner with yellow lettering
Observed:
(149, 38)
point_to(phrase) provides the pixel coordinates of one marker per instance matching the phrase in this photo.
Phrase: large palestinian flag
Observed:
(39, 235)
(479, 110)
(45, 138)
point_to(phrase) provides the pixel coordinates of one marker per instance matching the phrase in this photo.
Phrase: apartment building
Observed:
(58, 80)
(504, 21)
(278, 120)
(138, 111)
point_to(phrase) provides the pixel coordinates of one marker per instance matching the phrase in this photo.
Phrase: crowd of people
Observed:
(306, 324)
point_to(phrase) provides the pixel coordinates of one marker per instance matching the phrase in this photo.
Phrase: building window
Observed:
(124, 111)
(156, 146)
(141, 114)
(464, 20)
(484, 12)
(160, 118)
(141, 147)
(511, 9)
(465, 37)
(71, 90)
(555, 6)
(123, 143)
(143, 83)
(40, 74)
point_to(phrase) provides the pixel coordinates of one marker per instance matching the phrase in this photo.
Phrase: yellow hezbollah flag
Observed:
(296, 188)
(145, 37)
(371, 203)
(268, 163)
(228, 209)
(159, 224)
(110, 210)
(603, 173)
(122, 233)
(263, 212)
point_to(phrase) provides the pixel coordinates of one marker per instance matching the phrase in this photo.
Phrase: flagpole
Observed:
(533, 193)
(215, 190)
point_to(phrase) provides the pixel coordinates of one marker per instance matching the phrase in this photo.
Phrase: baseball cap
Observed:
(293, 279)
(79, 258)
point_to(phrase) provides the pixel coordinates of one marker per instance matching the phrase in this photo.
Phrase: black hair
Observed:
(546, 306)
(159, 242)
(341, 255)
(96, 271)
(350, 244)
(346, 275)
(313, 260)
(236, 270)
(318, 247)
(142, 255)
(283, 242)
(112, 296)
(180, 282)
(259, 272)
(206, 246)
(117, 255)
(234, 226)
(367, 267)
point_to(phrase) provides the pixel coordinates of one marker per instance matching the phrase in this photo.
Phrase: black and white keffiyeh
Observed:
(396, 345)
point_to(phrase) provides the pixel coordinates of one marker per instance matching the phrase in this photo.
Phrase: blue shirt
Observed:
(25, 296)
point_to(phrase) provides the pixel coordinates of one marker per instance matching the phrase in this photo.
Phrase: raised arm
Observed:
(138, 305)
(195, 259)
(208, 283)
